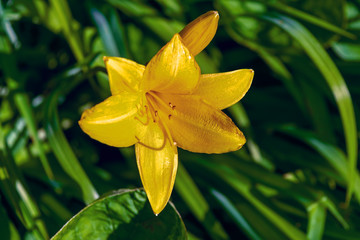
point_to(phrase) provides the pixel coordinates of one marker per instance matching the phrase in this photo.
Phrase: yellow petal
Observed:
(124, 75)
(198, 127)
(113, 121)
(157, 165)
(199, 33)
(173, 69)
(222, 90)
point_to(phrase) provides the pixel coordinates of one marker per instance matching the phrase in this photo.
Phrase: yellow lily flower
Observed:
(169, 104)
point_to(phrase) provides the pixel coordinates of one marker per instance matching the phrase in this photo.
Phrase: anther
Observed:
(169, 116)
(156, 113)
(172, 106)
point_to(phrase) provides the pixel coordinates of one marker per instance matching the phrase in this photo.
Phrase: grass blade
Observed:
(274, 63)
(335, 157)
(334, 80)
(317, 217)
(241, 118)
(62, 149)
(235, 214)
(242, 185)
(23, 104)
(187, 189)
(13, 186)
(109, 31)
(63, 15)
(308, 18)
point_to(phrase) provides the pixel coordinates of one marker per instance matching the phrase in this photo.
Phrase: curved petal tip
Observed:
(199, 33)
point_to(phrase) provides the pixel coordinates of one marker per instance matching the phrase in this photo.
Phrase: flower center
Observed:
(151, 111)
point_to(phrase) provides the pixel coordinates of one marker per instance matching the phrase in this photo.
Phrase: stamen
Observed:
(158, 100)
(150, 147)
(142, 113)
(169, 116)
(161, 123)
(143, 123)
(172, 106)
(152, 111)
(171, 141)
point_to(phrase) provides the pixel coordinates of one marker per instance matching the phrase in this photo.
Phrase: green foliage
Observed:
(296, 178)
(122, 214)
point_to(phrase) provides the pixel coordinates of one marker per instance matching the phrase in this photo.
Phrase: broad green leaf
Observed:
(123, 214)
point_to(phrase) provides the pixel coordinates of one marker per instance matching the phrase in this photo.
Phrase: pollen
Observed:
(172, 106)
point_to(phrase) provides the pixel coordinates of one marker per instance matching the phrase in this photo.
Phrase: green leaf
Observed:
(335, 157)
(124, 214)
(242, 185)
(4, 223)
(105, 32)
(229, 207)
(241, 118)
(303, 15)
(318, 111)
(190, 193)
(69, 27)
(58, 141)
(335, 81)
(347, 51)
(107, 24)
(274, 63)
(317, 218)
(17, 193)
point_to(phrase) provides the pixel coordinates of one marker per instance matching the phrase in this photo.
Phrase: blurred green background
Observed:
(296, 178)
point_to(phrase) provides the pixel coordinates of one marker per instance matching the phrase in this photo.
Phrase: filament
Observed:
(163, 126)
